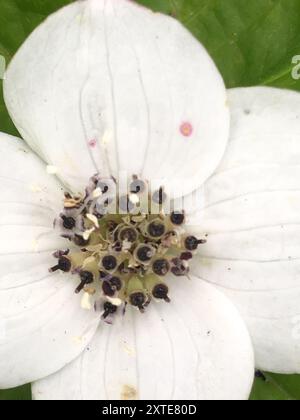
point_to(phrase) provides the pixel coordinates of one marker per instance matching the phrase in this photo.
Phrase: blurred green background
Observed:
(253, 42)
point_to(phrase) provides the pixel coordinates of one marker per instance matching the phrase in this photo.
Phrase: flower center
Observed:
(123, 257)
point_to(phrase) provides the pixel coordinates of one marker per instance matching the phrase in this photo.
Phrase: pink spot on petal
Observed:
(186, 129)
(92, 143)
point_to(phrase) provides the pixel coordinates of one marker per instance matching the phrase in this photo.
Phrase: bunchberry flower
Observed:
(144, 301)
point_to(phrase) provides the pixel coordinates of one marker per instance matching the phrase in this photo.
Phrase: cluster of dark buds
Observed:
(122, 258)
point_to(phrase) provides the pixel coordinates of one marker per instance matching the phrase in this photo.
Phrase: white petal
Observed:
(251, 211)
(110, 86)
(196, 347)
(42, 326)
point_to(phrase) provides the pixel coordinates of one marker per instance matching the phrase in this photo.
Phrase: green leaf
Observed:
(252, 42)
(271, 386)
(21, 393)
(163, 6)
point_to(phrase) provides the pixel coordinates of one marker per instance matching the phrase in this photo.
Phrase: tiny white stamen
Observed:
(97, 193)
(134, 198)
(86, 301)
(126, 245)
(86, 235)
(90, 290)
(88, 261)
(114, 301)
(52, 170)
(93, 219)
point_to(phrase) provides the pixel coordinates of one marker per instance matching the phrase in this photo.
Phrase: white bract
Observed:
(109, 86)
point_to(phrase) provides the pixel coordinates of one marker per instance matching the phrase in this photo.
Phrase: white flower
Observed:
(108, 86)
